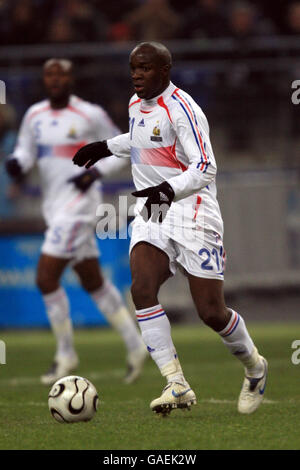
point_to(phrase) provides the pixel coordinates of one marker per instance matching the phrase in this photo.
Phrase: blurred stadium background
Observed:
(238, 60)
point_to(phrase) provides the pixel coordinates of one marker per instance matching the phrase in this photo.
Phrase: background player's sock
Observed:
(57, 307)
(156, 333)
(109, 301)
(236, 337)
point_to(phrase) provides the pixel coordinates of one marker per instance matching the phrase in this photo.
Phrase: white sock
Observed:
(156, 333)
(237, 339)
(109, 301)
(57, 307)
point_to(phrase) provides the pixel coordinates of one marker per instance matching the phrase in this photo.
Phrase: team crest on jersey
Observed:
(72, 133)
(156, 134)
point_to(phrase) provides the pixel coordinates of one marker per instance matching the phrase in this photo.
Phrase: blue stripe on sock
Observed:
(146, 319)
(238, 320)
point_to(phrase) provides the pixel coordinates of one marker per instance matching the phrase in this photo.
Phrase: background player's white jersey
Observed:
(51, 138)
(168, 140)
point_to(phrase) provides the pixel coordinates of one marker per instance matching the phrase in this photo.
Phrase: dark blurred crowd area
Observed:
(66, 21)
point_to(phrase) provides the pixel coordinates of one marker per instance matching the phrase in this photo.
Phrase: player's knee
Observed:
(46, 283)
(143, 293)
(213, 314)
(91, 285)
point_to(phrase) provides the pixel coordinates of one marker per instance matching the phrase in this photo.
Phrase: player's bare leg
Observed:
(209, 300)
(110, 303)
(49, 272)
(149, 270)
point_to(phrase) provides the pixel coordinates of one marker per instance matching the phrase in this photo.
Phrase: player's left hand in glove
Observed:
(91, 153)
(14, 169)
(159, 201)
(84, 180)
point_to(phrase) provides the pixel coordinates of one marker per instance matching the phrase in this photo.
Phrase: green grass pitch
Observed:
(124, 419)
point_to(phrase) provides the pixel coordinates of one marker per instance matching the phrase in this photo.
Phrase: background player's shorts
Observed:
(200, 253)
(75, 241)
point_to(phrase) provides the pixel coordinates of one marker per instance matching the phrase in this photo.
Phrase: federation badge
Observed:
(72, 133)
(156, 133)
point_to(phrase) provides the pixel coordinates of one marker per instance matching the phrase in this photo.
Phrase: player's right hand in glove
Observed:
(14, 169)
(159, 200)
(91, 153)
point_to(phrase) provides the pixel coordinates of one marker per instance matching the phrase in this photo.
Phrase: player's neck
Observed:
(161, 91)
(60, 103)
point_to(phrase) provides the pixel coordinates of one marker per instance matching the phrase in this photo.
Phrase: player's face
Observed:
(149, 76)
(57, 81)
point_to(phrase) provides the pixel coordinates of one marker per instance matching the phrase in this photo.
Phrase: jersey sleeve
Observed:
(104, 127)
(25, 150)
(192, 132)
(120, 145)
(110, 165)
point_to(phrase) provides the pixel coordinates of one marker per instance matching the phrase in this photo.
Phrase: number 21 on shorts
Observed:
(213, 256)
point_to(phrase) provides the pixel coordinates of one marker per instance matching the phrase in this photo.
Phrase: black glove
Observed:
(84, 180)
(14, 169)
(159, 200)
(91, 153)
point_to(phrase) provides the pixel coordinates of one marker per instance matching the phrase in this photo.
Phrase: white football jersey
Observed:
(168, 140)
(50, 138)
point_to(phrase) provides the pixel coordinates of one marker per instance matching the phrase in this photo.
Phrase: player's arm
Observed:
(195, 142)
(92, 153)
(24, 154)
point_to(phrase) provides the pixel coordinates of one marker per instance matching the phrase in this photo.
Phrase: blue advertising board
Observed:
(21, 304)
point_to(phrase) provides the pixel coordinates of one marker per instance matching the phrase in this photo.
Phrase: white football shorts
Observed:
(199, 252)
(72, 240)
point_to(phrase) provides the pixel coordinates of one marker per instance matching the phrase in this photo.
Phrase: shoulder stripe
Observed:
(34, 113)
(193, 121)
(161, 103)
(194, 132)
(134, 102)
(77, 111)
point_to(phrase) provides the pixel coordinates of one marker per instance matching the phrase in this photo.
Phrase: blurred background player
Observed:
(51, 132)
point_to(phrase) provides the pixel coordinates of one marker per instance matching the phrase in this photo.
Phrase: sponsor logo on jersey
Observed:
(156, 134)
(141, 123)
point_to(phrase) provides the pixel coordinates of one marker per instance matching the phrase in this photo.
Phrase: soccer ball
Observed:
(73, 399)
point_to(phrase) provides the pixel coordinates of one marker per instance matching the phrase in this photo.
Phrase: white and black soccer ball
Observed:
(73, 399)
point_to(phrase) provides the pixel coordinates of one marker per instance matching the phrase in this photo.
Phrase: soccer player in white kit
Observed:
(51, 132)
(178, 222)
